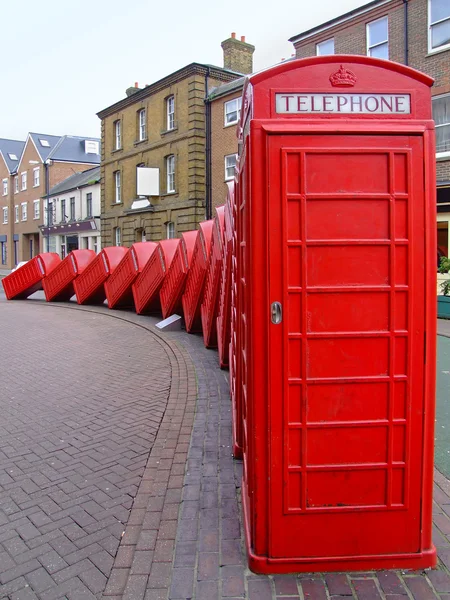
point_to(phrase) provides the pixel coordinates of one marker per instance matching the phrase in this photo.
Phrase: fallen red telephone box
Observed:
(175, 280)
(337, 301)
(89, 286)
(118, 287)
(58, 285)
(224, 310)
(210, 301)
(27, 279)
(195, 282)
(148, 284)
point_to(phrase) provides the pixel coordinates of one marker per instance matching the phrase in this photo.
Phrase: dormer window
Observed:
(44, 143)
(13, 156)
(91, 147)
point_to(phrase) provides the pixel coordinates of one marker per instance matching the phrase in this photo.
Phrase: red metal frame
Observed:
(337, 401)
(58, 286)
(147, 286)
(27, 279)
(89, 286)
(175, 280)
(224, 311)
(195, 282)
(210, 303)
(118, 287)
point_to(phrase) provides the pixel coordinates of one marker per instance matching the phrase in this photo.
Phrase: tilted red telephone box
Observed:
(195, 282)
(28, 278)
(210, 302)
(175, 280)
(118, 286)
(224, 310)
(89, 286)
(148, 284)
(58, 285)
(337, 286)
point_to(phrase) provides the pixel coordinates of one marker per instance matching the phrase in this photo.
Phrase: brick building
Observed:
(156, 154)
(44, 161)
(10, 152)
(412, 32)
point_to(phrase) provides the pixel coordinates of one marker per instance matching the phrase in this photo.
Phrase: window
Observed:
(24, 211)
(230, 163)
(377, 38)
(63, 210)
(95, 240)
(44, 143)
(170, 102)
(441, 116)
(72, 209)
(232, 111)
(170, 230)
(23, 181)
(5, 215)
(5, 187)
(324, 48)
(89, 205)
(50, 210)
(117, 135)
(118, 192)
(4, 252)
(16, 213)
(142, 127)
(37, 209)
(170, 171)
(63, 247)
(117, 236)
(12, 156)
(36, 176)
(439, 24)
(16, 184)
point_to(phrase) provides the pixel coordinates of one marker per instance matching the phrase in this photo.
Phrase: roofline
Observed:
(157, 86)
(6, 164)
(304, 35)
(235, 90)
(23, 151)
(71, 189)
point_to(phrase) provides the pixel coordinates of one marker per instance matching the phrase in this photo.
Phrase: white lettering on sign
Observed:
(390, 104)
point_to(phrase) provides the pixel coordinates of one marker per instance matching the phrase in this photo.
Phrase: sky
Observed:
(64, 61)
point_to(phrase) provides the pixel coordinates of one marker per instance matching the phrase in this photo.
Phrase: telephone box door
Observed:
(347, 251)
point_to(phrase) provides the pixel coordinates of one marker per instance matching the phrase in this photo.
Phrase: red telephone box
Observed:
(337, 301)
(195, 282)
(58, 285)
(28, 278)
(224, 311)
(90, 285)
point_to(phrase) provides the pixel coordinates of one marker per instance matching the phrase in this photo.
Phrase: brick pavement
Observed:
(184, 539)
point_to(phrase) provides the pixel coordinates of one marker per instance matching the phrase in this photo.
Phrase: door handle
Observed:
(276, 312)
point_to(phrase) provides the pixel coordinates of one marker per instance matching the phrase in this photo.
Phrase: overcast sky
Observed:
(64, 61)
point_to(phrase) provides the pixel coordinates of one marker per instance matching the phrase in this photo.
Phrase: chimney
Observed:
(132, 90)
(238, 55)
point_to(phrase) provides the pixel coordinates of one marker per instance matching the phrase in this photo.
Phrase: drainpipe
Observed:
(47, 189)
(405, 29)
(208, 206)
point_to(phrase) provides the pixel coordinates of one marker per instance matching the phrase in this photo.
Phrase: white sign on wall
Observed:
(147, 181)
(388, 104)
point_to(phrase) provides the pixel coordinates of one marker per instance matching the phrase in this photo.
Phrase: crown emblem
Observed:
(343, 78)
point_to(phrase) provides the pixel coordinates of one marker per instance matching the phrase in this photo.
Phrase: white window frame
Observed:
(227, 112)
(89, 205)
(431, 50)
(23, 181)
(16, 184)
(170, 230)
(445, 153)
(36, 176)
(117, 187)
(229, 177)
(142, 117)
(5, 215)
(24, 211)
(117, 236)
(170, 174)
(36, 209)
(5, 187)
(369, 46)
(318, 46)
(117, 134)
(170, 109)
(72, 208)
(16, 213)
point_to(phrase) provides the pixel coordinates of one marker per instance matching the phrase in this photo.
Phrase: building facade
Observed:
(72, 214)
(156, 154)
(10, 152)
(45, 160)
(412, 32)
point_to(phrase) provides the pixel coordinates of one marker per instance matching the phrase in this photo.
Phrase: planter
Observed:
(443, 307)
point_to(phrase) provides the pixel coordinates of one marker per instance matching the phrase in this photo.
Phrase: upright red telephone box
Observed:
(337, 300)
